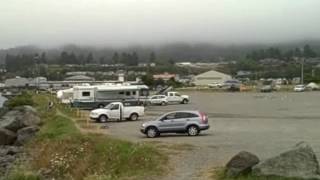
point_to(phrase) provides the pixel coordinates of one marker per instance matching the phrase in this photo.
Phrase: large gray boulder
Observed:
(299, 162)
(12, 120)
(241, 164)
(31, 117)
(25, 134)
(7, 137)
(20, 117)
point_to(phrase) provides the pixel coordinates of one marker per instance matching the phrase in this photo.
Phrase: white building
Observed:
(16, 82)
(210, 77)
(37, 81)
(79, 78)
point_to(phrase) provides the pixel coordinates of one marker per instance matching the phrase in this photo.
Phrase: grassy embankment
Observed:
(61, 151)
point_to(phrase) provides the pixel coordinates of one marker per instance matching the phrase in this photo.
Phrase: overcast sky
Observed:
(126, 22)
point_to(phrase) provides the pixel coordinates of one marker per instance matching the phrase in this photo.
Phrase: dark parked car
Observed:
(232, 85)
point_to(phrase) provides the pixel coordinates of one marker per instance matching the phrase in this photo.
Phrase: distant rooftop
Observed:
(79, 78)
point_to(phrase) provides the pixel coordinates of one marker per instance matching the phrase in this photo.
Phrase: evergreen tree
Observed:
(115, 58)
(288, 54)
(152, 57)
(81, 59)
(89, 58)
(102, 60)
(134, 59)
(148, 80)
(308, 52)
(63, 57)
(297, 52)
(124, 58)
(43, 58)
(72, 59)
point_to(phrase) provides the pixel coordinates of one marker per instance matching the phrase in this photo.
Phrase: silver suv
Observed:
(191, 122)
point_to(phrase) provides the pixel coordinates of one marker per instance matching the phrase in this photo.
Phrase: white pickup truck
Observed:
(175, 97)
(117, 111)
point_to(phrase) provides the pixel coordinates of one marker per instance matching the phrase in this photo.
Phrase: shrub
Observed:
(17, 175)
(24, 99)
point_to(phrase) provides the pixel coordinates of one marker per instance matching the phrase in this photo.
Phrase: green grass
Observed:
(63, 152)
(58, 127)
(16, 175)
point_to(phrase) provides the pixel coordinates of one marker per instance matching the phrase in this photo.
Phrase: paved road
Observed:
(265, 124)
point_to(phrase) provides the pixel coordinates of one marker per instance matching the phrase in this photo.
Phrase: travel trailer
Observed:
(101, 95)
(65, 95)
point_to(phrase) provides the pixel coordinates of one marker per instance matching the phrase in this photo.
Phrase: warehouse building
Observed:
(210, 77)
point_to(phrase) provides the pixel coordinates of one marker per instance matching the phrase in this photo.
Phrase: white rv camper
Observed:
(101, 95)
(65, 95)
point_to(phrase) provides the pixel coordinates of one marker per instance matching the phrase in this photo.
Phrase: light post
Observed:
(302, 66)
(302, 71)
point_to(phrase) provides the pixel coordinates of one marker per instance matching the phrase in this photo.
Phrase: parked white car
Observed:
(158, 100)
(215, 85)
(117, 111)
(175, 97)
(299, 88)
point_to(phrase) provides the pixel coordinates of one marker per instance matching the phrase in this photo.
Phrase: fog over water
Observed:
(126, 22)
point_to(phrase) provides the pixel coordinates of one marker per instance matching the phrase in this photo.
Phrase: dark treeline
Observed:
(307, 52)
(21, 61)
(24, 61)
(175, 52)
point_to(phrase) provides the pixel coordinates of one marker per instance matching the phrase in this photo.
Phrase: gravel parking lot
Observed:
(263, 123)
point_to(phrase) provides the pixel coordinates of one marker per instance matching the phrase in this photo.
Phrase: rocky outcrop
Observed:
(25, 134)
(7, 137)
(30, 116)
(8, 155)
(17, 127)
(299, 162)
(241, 164)
(20, 117)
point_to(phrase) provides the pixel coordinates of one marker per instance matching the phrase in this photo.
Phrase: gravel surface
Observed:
(262, 123)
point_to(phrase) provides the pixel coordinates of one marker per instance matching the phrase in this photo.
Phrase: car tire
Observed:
(134, 117)
(152, 132)
(103, 118)
(193, 130)
(163, 103)
(184, 101)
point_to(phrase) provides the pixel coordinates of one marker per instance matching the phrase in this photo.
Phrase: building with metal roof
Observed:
(210, 77)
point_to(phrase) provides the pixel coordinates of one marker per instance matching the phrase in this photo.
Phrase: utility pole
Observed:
(302, 71)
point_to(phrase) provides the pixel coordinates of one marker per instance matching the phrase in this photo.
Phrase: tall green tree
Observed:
(308, 52)
(152, 57)
(148, 80)
(115, 58)
(72, 59)
(89, 58)
(81, 59)
(63, 57)
(297, 52)
(43, 58)
(102, 60)
(134, 59)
